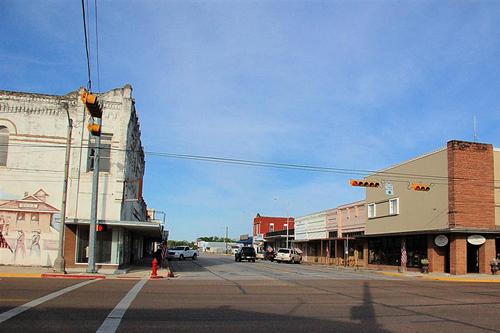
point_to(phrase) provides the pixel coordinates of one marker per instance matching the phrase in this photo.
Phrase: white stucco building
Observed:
(33, 132)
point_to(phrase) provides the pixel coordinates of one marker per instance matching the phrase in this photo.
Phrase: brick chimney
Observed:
(471, 197)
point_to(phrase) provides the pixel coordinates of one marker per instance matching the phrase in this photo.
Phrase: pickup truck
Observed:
(182, 252)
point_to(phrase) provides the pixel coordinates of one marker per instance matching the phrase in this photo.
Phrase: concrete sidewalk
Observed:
(484, 278)
(138, 271)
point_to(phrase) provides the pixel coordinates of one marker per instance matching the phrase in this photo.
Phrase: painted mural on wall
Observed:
(27, 235)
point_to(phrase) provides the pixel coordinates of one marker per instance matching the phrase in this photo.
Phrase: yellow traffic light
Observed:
(92, 104)
(95, 129)
(364, 183)
(420, 187)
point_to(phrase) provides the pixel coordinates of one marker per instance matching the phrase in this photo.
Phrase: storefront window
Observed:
(384, 251)
(387, 250)
(103, 245)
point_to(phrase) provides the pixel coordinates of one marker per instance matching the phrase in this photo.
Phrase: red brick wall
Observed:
(471, 196)
(436, 256)
(487, 252)
(265, 221)
(458, 254)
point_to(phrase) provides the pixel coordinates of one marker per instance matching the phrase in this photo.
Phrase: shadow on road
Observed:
(226, 319)
(365, 313)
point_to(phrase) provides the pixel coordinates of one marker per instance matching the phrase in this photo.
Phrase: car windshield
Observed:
(178, 248)
(248, 250)
(284, 251)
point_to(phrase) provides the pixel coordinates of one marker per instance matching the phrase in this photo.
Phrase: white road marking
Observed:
(110, 325)
(20, 309)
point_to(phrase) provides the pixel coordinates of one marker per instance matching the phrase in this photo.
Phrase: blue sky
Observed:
(357, 85)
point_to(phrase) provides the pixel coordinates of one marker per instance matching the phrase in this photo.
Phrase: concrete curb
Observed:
(460, 279)
(20, 275)
(442, 278)
(72, 276)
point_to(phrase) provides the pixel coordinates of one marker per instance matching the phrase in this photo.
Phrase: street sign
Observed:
(389, 189)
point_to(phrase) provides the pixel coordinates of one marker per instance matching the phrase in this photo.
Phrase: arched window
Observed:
(4, 145)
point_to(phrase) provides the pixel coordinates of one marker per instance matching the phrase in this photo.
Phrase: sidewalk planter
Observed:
(495, 263)
(425, 265)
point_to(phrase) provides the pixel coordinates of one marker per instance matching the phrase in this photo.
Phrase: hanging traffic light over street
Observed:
(364, 183)
(92, 104)
(420, 187)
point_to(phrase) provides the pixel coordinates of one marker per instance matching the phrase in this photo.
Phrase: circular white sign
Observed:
(441, 240)
(476, 239)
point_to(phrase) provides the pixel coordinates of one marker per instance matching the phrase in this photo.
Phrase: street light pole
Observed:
(59, 263)
(93, 209)
(287, 220)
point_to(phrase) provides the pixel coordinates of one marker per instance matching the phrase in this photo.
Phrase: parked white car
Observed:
(182, 252)
(293, 256)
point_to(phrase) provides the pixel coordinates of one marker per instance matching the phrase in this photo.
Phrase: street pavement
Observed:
(216, 294)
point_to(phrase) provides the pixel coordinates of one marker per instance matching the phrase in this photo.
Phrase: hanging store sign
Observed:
(389, 189)
(476, 240)
(441, 240)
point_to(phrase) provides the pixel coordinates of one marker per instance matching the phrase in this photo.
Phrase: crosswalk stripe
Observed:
(20, 309)
(110, 325)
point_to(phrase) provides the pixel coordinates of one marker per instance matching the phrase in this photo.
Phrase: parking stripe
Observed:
(20, 309)
(110, 325)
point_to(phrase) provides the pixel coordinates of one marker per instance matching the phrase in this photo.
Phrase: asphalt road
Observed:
(216, 294)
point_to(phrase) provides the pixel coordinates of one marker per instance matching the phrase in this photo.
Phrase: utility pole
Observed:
(93, 209)
(94, 108)
(59, 263)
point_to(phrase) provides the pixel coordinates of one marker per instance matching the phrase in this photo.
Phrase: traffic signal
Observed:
(94, 129)
(420, 187)
(101, 228)
(91, 104)
(364, 183)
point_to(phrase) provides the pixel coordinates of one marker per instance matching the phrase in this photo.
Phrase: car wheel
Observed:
(181, 257)
(194, 256)
(253, 260)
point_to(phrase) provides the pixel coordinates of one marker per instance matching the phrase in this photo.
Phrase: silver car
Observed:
(289, 255)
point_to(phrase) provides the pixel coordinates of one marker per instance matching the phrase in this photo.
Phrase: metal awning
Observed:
(144, 228)
(290, 237)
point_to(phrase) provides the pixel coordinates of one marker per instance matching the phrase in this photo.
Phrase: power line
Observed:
(400, 177)
(89, 83)
(97, 49)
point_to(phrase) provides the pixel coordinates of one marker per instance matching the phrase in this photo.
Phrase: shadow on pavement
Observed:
(365, 313)
(225, 319)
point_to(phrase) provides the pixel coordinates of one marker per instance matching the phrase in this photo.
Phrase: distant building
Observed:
(333, 236)
(273, 226)
(264, 224)
(33, 132)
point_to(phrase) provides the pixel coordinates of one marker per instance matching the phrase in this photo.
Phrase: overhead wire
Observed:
(89, 83)
(394, 176)
(97, 48)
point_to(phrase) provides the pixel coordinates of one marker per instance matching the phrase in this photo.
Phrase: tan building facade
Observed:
(333, 236)
(455, 224)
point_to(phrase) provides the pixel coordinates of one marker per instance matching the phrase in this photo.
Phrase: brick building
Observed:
(272, 231)
(264, 224)
(455, 224)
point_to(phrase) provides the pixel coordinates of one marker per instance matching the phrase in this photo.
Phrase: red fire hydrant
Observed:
(154, 273)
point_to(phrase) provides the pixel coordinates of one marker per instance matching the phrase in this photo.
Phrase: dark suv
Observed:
(245, 253)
